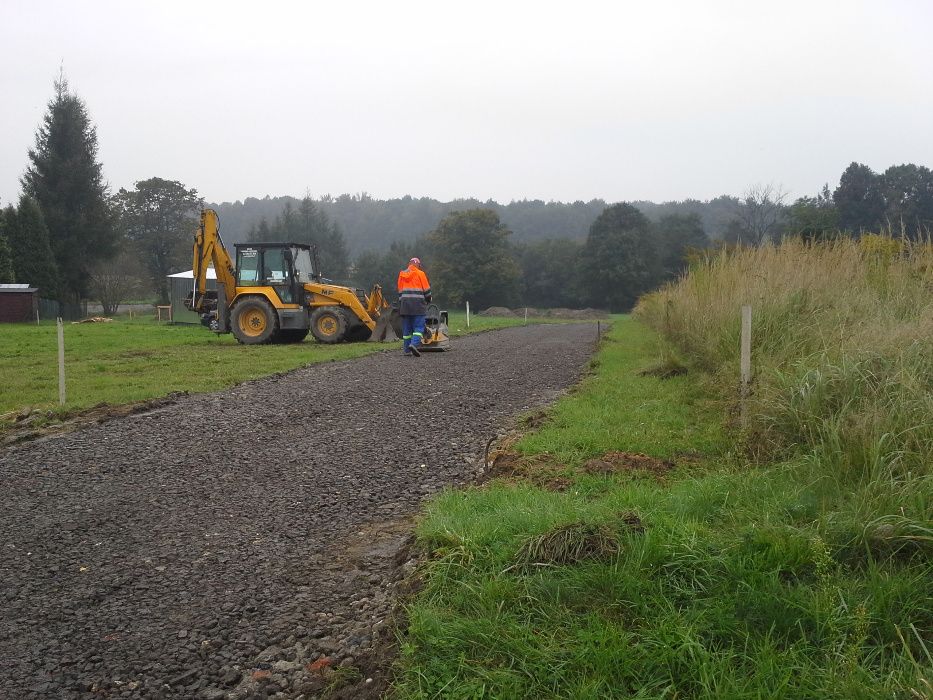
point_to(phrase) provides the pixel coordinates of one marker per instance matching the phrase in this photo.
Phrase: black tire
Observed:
(293, 335)
(358, 333)
(328, 324)
(254, 321)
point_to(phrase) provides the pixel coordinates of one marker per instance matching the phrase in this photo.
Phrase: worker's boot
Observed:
(415, 352)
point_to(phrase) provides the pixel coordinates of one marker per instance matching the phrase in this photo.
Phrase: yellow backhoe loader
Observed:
(275, 293)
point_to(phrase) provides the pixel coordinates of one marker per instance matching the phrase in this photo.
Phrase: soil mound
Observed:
(497, 311)
(577, 314)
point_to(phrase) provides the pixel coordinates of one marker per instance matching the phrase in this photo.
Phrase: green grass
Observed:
(134, 360)
(747, 581)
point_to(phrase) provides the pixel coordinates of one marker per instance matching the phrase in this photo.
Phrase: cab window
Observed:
(247, 265)
(274, 269)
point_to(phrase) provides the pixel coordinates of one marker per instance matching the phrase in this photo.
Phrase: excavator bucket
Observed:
(385, 330)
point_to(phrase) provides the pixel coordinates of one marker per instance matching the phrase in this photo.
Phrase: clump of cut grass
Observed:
(568, 544)
(665, 369)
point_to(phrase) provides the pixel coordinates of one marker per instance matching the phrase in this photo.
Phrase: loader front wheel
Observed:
(328, 325)
(254, 321)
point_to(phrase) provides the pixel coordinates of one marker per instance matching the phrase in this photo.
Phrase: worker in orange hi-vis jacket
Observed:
(414, 295)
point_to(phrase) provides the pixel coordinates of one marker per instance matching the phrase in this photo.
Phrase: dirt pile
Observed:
(577, 314)
(251, 542)
(497, 311)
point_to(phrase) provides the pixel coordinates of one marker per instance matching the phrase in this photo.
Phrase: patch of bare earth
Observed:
(546, 472)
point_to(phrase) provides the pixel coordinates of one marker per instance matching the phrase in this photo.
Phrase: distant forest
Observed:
(370, 224)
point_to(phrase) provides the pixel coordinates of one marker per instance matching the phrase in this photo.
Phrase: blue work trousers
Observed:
(412, 330)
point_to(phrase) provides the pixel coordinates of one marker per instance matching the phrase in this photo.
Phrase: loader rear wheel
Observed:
(328, 324)
(254, 321)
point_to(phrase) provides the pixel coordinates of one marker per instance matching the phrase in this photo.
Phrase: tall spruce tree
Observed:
(29, 245)
(65, 178)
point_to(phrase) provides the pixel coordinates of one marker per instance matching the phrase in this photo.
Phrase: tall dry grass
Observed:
(842, 346)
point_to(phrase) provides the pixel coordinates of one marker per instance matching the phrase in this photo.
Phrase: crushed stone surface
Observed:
(250, 543)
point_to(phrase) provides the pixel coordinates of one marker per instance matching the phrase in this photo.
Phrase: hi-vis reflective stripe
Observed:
(420, 335)
(406, 337)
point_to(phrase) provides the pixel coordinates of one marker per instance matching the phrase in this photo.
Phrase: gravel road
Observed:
(249, 543)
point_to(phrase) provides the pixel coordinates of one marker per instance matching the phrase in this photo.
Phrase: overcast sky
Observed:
(503, 100)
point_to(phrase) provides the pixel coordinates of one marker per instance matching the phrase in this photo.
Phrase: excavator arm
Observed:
(209, 249)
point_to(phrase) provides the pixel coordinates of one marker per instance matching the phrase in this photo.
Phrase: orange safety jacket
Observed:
(414, 292)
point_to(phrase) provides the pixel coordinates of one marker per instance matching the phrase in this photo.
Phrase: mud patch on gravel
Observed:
(33, 424)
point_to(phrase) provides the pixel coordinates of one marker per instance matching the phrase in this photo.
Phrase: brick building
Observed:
(18, 303)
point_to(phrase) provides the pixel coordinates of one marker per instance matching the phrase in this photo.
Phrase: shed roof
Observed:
(17, 288)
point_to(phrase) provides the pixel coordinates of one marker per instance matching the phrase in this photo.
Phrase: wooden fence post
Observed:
(745, 362)
(61, 363)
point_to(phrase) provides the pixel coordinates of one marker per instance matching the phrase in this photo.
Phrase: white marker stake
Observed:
(468, 314)
(745, 361)
(526, 315)
(61, 363)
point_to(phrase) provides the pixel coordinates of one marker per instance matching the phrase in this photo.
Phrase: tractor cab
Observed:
(286, 267)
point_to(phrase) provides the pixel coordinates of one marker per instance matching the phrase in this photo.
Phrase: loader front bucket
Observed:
(386, 327)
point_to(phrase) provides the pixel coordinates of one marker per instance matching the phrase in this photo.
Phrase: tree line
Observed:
(72, 237)
(470, 256)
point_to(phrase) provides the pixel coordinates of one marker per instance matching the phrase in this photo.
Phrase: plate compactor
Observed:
(436, 333)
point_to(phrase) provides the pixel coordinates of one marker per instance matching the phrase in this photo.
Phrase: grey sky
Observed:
(570, 100)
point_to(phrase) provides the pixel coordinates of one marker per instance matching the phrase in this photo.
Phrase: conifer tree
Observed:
(28, 237)
(6, 262)
(65, 178)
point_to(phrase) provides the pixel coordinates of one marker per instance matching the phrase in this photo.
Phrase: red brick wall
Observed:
(16, 307)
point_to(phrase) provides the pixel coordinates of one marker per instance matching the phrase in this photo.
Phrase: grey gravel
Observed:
(221, 545)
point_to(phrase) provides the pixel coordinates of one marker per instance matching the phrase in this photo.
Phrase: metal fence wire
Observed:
(49, 309)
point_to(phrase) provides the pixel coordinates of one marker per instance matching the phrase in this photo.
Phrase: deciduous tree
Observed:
(159, 217)
(620, 258)
(859, 199)
(814, 217)
(908, 198)
(472, 260)
(551, 273)
(677, 236)
(761, 212)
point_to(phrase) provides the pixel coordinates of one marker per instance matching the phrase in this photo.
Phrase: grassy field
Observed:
(134, 360)
(804, 573)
